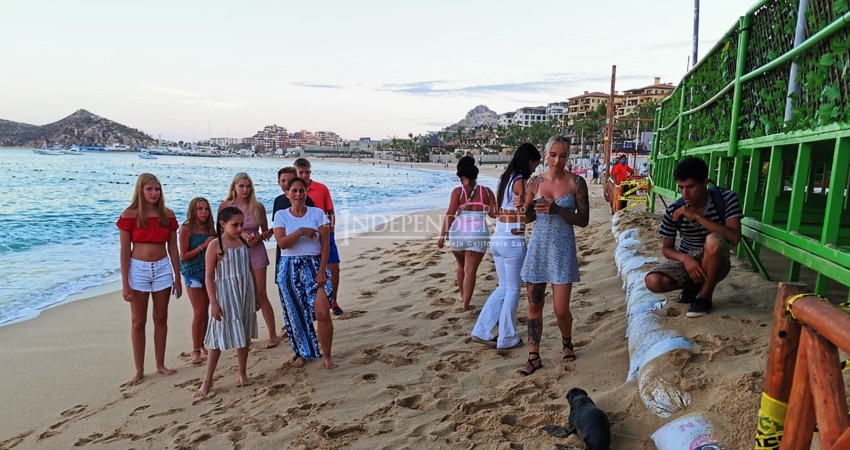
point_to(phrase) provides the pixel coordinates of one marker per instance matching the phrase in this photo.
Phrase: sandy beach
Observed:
(409, 375)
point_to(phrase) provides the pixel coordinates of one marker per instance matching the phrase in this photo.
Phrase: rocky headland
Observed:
(81, 128)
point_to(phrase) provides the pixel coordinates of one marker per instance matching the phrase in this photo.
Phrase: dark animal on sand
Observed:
(589, 422)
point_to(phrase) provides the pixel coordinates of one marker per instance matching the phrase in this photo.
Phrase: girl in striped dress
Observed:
(230, 286)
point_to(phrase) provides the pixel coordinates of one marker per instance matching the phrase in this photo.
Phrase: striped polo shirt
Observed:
(693, 234)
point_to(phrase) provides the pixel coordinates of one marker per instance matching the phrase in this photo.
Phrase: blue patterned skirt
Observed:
(296, 280)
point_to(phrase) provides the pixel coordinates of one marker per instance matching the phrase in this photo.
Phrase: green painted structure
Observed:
(790, 170)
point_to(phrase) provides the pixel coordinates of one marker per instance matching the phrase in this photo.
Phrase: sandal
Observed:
(568, 345)
(530, 367)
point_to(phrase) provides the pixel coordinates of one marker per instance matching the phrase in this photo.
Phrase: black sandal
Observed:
(568, 344)
(530, 368)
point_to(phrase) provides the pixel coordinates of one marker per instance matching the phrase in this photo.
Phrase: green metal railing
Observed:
(791, 173)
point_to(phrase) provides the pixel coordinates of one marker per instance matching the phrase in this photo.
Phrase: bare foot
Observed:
(203, 391)
(204, 351)
(196, 358)
(244, 380)
(298, 362)
(165, 370)
(328, 364)
(273, 343)
(137, 378)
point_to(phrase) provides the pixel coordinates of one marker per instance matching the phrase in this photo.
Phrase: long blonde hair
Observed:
(139, 206)
(192, 218)
(253, 204)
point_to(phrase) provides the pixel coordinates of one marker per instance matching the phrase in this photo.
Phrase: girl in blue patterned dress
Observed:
(303, 235)
(233, 306)
(557, 200)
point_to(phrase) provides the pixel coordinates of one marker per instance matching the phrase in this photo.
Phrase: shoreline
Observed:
(114, 286)
(111, 283)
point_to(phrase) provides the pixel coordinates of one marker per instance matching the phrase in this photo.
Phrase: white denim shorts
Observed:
(148, 276)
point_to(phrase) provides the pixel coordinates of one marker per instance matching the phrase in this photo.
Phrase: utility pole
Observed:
(696, 32)
(609, 124)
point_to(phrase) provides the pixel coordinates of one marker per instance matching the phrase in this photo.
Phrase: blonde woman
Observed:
(149, 268)
(255, 230)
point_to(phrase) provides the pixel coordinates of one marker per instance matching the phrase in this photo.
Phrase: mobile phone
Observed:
(175, 293)
(539, 199)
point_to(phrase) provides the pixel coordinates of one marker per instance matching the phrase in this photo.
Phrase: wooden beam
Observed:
(800, 423)
(827, 389)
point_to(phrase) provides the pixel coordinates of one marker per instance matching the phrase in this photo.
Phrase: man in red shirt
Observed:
(621, 172)
(321, 196)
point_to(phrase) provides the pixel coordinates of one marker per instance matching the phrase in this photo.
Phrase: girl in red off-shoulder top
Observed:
(149, 268)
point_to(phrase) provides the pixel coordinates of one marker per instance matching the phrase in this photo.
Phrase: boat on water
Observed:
(47, 151)
(146, 155)
(117, 148)
(73, 150)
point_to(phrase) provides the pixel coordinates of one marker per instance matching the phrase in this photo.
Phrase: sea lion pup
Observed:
(589, 422)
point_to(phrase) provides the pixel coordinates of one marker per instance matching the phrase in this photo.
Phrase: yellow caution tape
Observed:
(794, 298)
(771, 423)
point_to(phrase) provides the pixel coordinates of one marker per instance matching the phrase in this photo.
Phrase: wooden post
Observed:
(779, 372)
(827, 389)
(784, 341)
(800, 423)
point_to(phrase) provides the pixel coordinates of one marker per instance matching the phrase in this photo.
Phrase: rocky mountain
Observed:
(81, 127)
(480, 115)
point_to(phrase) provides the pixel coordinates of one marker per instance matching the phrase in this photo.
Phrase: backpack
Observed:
(716, 195)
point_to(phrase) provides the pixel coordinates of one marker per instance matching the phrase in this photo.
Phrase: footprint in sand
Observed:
(73, 411)
(400, 308)
(436, 275)
(583, 291)
(431, 292)
(442, 301)
(598, 315)
(166, 413)
(366, 294)
(351, 314)
(433, 315)
(86, 440)
(368, 377)
(412, 402)
(344, 430)
(389, 279)
(140, 408)
(194, 382)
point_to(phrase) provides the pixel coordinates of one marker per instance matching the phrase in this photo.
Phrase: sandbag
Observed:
(692, 432)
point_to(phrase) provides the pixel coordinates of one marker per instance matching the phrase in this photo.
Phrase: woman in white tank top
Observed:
(508, 248)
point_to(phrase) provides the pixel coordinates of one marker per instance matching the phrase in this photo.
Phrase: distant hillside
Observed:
(82, 128)
(480, 115)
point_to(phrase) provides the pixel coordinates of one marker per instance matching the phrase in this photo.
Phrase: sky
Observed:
(191, 70)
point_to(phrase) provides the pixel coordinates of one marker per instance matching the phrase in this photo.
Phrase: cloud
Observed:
(316, 85)
(553, 84)
(173, 91)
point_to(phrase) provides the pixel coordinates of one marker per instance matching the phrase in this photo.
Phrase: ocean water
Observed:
(58, 213)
